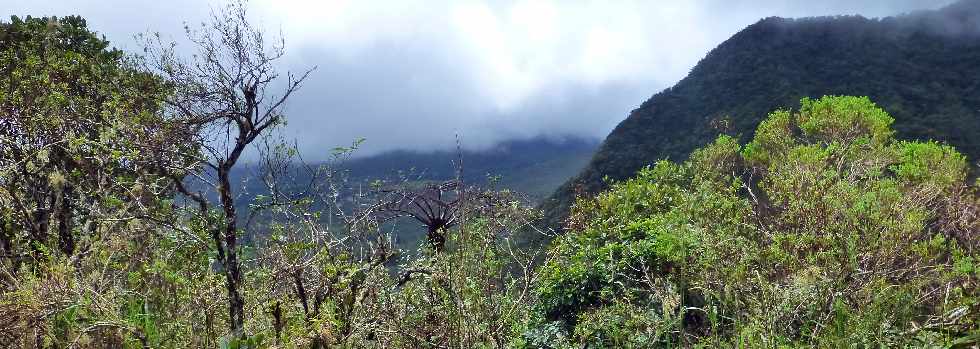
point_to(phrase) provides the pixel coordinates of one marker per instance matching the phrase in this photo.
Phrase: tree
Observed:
(79, 129)
(435, 205)
(81, 137)
(227, 91)
(824, 230)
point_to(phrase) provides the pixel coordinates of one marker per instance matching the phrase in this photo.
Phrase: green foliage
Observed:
(78, 132)
(476, 294)
(843, 120)
(824, 230)
(80, 137)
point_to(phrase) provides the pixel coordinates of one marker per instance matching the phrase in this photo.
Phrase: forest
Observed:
(126, 220)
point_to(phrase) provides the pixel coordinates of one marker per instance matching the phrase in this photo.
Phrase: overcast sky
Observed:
(413, 74)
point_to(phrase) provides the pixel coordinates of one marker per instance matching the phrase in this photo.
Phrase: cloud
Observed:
(414, 74)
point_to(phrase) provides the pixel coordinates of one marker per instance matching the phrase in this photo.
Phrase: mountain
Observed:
(535, 167)
(922, 67)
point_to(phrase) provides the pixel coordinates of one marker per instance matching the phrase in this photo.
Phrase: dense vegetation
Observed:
(920, 67)
(105, 242)
(120, 226)
(823, 231)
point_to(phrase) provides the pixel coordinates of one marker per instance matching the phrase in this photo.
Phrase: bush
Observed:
(823, 230)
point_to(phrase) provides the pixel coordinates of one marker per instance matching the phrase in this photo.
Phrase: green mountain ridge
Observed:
(921, 67)
(535, 167)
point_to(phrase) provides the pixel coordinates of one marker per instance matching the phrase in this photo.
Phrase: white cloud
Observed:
(413, 73)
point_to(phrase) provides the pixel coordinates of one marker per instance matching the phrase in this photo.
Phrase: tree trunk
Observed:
(277, 323)
(301, 293)
(41, 218)
(436, 235)
(66, 238)
(7, 243)
(233, 274)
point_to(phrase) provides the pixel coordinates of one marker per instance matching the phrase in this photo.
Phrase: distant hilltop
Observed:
(921, 67)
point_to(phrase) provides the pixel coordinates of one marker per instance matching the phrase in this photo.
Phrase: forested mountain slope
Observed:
(922, 67)
(534, 167)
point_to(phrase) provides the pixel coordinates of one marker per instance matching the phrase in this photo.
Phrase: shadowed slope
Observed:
(921, 67)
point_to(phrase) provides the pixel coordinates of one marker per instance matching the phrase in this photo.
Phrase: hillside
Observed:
(132, 217)
(535, 167)
(921, 67)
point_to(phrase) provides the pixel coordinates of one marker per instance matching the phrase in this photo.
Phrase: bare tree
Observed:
(231, 93)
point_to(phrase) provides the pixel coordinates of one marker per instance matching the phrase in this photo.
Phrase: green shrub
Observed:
(823, 230)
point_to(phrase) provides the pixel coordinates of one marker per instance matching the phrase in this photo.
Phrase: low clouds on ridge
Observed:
(413, 74)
